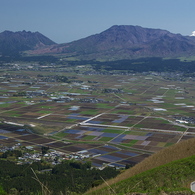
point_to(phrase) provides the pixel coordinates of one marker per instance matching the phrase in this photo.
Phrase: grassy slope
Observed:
(140, 180)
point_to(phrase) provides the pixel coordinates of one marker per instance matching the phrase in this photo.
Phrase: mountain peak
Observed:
(117, 42)
(128, 41)
(15, 42)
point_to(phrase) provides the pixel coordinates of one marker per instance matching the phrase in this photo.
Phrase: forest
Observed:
(148, 64)
(69, 176)
(156, 64)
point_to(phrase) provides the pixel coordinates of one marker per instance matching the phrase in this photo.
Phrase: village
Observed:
(28, 155)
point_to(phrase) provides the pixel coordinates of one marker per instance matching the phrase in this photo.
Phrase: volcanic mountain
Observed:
(117, 42)
(127, 41)
(12, 43)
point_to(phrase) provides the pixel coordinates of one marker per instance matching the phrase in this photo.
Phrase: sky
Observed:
(67, 20)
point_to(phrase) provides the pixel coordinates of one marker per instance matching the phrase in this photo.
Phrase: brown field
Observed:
(42, 141)
(29, 137)
(98, 161)
(57, 144)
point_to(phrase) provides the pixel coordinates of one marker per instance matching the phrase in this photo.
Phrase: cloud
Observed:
(193, 33)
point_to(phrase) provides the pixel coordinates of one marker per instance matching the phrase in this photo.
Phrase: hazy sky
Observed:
(69, 20)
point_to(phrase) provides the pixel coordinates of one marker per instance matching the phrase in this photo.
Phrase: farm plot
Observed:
(151, 141)
(111, 118)
(56, 112)
(8, 133)
(80, 147)
(140, 133)
(8, 141)
(9, 105)
(118, 119)
(81, 109)
(119, 158)
(90, 133)
(42, 141)
(160, 91)
(98, 154)
(131, 120)
(57, 118)
(191, 130)
(131, 110)
(157, 123)
(29, 137)
(150, 91)
(12, 131)
(57, 145)
(134, 160)
(98, 163)
(185, 137)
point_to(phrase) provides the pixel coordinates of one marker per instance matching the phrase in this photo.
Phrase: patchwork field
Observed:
(113, 119)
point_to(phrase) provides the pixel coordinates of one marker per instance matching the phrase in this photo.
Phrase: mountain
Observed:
(117, 42)
(12, 43)
(125, 42)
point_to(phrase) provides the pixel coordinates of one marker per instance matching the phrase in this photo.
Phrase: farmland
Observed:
(112, 118)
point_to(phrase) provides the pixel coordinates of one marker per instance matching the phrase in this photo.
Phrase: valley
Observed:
(112, 118)
(97, 98)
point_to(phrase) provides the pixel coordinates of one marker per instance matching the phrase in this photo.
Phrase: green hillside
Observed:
(169, 171)
(175, 176)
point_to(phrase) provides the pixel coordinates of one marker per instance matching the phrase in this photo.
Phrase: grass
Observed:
(133, 142)
(89, 112)
(44, 112)
(168, 144)
(162, 121)
(123, 111)
(105, 139)
(71, 120)
(129, 125)
(41, 129)
(135, 133)
(183, 172)
(61, 134)
(47, 107)
(181, 128)
(13, 114)
(161, 144)
(130, 144)
(5, 105)
(139, 126)
(174, 176)
(189, 58)
(89, 137)
(168, 105)
(101, 105)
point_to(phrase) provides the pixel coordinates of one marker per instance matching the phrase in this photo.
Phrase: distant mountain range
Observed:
(117, 42)
(12, 43)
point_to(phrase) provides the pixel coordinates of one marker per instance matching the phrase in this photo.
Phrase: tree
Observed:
(44, 150)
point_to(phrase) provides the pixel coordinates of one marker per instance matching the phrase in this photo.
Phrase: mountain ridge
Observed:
(116, 42)
(12, 43)
(125, 42)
